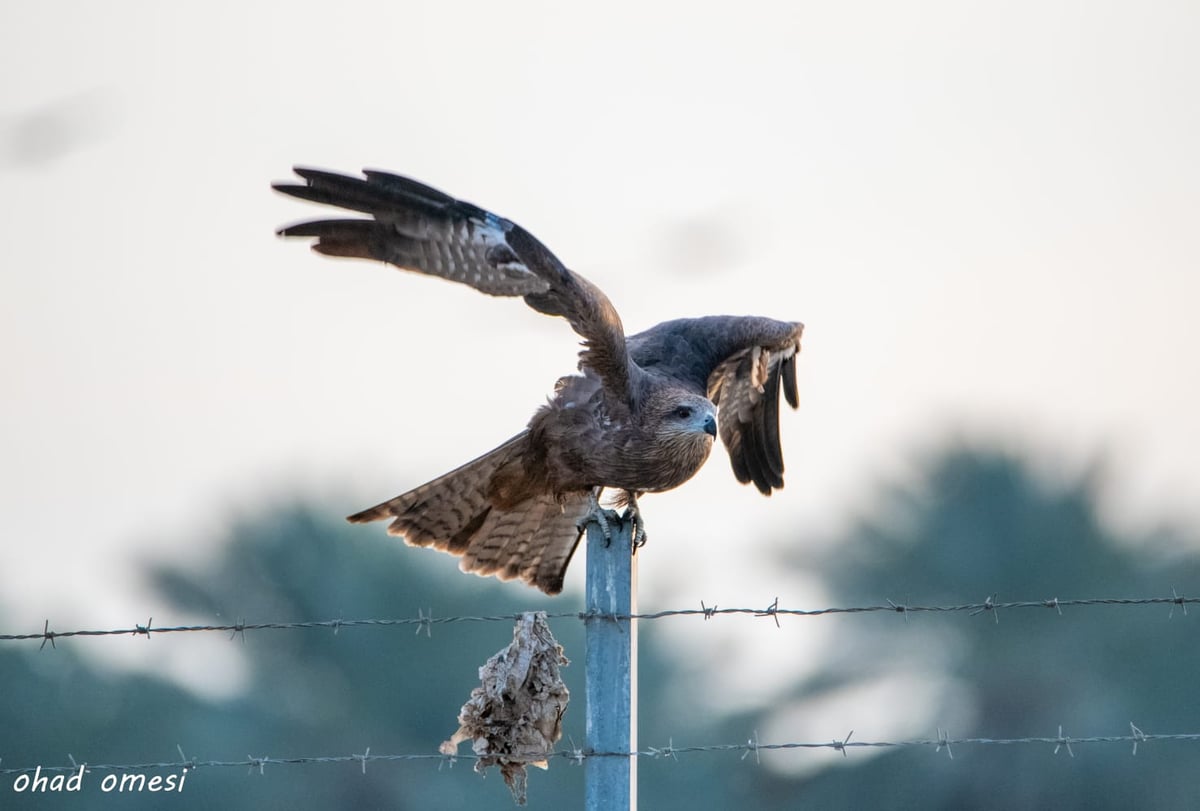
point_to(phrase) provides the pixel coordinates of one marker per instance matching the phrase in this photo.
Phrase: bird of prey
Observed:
(640, 416)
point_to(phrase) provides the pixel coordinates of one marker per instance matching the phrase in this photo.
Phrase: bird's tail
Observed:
(481, 513)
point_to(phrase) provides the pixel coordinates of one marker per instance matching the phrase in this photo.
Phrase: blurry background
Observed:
(985, 216)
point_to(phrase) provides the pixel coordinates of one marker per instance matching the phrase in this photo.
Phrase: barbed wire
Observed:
(425, 622)
(751, 746)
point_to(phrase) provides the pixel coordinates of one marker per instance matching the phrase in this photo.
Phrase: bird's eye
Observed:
(683, 412)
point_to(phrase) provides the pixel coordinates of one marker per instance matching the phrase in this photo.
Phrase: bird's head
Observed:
(686, 416)
(676, 429)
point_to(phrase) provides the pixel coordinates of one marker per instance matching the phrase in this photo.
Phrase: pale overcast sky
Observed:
(986, 215)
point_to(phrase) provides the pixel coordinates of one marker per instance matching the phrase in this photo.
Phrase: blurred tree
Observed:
(983, 523)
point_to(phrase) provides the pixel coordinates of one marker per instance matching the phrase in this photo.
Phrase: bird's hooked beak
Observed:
(710, 426)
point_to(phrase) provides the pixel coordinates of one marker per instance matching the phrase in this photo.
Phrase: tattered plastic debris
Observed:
(514, 717)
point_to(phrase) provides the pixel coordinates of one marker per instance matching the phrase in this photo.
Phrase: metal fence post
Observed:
(611, 665)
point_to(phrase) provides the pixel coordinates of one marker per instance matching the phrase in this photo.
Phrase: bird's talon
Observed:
(637, 526)
(599, 516)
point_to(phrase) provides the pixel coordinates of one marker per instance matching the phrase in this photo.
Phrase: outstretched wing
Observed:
(419, 228)
(742, 364)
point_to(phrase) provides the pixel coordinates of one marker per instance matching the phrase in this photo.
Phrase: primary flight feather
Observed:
(640, 416)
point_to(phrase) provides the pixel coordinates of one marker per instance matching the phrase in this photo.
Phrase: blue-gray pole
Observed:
(611, 782)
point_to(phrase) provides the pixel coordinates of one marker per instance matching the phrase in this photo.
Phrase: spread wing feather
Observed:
(531, 540)
(533, 543)
(419, 228)
(746, 387)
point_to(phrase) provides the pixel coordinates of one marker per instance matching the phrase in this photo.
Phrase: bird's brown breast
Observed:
(666, 464)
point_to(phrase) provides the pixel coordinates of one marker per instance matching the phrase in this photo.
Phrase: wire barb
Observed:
(771, 611)
(1063, 741)
(1138, 736)
(1178, 601)
(665, 751)
(841, 745)
(47, 636)
(944, 740)
(425, 623)
(752, 746)
(576, 755)
(899, 609)
(989, 605)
